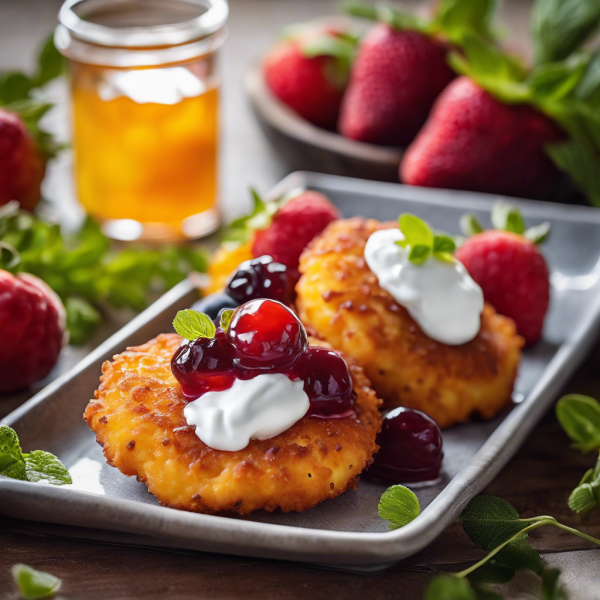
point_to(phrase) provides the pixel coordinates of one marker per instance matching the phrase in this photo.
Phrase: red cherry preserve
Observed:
(264, 336)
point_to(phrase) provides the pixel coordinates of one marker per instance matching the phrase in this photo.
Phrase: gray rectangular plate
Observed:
(346, 531)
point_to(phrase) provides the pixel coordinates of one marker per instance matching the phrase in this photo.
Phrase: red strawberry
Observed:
(472, 141)
(395, 80)
(309, 79)
(32, 330)
(293, 227)
(21, 168)
(513, 276)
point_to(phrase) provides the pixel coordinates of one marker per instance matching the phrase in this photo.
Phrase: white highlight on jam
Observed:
(440, 296)
(253, 409)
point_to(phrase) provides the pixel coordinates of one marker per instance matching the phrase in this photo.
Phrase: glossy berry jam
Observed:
(266, 335)
(261, 278)
(410, 448)
(204, 364)
(327, 383)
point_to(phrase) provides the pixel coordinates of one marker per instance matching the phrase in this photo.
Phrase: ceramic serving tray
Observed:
(104, 504)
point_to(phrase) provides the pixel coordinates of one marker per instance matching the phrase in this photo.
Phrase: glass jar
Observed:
(145, 94)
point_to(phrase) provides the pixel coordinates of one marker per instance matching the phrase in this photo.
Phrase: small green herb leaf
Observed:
(399, 506)
(326, 44)
(12, 463)
(551, 589)
(586, 495)
(449, 587)
(470, 225)
(455, 17)
(443, 244)
(492, 573)
(418, 254)
(82, 318)
(43, 466)
(416, 232)
(519, 555)
(34, 585)
(506, 217)
(226, 318)
(191, 324)
(579, 416)
(539, 233)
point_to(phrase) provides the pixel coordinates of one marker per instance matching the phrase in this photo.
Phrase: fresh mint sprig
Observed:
(579, 416)
(399, 506)
(34, 585)
(34, 466)
(422, 243)
(506, 217)
(191, 325)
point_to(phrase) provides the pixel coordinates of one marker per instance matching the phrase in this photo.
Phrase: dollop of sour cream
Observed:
(440, 296)
(253, 409)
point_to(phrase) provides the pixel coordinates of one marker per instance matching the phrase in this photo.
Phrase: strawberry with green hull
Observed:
(309, 71)
(401, 68)
(505, 129)
(508, 267)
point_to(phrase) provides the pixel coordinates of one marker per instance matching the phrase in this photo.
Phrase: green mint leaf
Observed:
(551, 589)
(539, 233)
(416, 232)
(399, 506)
(34, 585)
(444, 257)
(226, 318)
(191, 324)
(418, 254)
(559, 27)
(51, 63)
(455, 17)
(82, 319)
(579, 416)
(491, 573)
(519, 555)
(506, 217)
(470, 225)
(12, 463)
(449, 587)
(443, 244)
(43, 466)
(489, 521)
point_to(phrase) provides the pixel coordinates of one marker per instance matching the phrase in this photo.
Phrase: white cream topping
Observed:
(440, 296)
(253, 409)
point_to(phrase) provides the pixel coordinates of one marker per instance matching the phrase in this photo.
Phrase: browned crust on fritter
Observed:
(137, 417)
(340, 299)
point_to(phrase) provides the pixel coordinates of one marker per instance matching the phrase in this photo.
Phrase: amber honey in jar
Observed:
(145, 103)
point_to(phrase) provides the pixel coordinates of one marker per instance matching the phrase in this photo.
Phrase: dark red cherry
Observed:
(266, 335)
(327, 383)
(204, 364)
(410, 448)
(261, 278)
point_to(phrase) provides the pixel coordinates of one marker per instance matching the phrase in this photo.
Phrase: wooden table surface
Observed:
(537, 481)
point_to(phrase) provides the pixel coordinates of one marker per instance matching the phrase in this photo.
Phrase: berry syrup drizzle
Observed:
(264, 336)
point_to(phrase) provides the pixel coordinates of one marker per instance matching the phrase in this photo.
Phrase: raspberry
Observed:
(513, 276)
(21, 168)
(293, 227)
(32, 330)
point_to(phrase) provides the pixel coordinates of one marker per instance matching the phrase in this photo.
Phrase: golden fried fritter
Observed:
(340, 299)
(137, 417)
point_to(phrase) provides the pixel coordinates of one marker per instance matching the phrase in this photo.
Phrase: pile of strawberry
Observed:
(471, 115)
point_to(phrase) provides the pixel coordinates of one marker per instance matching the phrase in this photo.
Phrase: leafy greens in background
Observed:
(495, 526)
(17, 95)
(84, 272)
(35, 466)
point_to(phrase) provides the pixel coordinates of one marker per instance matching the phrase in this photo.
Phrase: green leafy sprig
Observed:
(495, 526)
(192, 324)
(84, 272)
(18, 95)
(579, 416)
(34, 585)
(506, 217)
(34, 466)
(452, 20)
(422, 243)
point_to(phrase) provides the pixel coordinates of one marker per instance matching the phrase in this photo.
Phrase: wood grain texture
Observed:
(537, 481)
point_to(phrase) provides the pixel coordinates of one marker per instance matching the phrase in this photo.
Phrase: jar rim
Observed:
(210, 21)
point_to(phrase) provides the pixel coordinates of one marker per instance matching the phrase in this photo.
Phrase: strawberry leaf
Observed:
(559, 27)
(538, 234)
(506, 217)
(551, 82)
(455, 18)
(470, 225)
